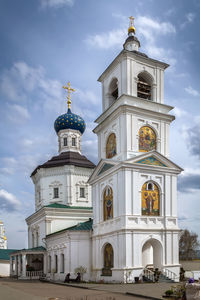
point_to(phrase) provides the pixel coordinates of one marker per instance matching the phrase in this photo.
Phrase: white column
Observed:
(24, 265)
(45, 263)
(11, 266)
(19, 264)
(15, 262)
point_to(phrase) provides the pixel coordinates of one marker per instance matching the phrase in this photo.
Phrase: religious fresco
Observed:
(147, 139)
(108, 256)
(150, 199)
(151, 161)
(111, 146)
(108, 203)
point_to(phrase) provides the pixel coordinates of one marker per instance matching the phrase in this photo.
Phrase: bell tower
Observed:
(132, 98)
(134, 186)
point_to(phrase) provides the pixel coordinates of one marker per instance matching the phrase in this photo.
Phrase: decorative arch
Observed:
(147, 139)
(150, 199)
(152, 253)
(111, 146)
(144, 85)
(108, 260)
(108, 203)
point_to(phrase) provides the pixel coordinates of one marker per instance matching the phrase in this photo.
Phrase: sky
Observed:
(46, 43)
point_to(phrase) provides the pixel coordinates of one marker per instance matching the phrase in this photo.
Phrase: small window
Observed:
(65, 141)
(82, 192)
(150, 187)
(56, 193)
(73, 142)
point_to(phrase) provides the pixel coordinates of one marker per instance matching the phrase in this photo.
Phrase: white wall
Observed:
(4, 268)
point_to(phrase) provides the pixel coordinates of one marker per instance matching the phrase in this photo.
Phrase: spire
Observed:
(69, 90)
(131, 27)
(131, 43)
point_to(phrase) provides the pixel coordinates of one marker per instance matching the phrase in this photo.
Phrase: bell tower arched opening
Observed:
(152, 254)
(144, 86)
(113, 91)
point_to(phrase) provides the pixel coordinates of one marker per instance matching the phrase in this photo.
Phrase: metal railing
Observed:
(169, 274)
(34, 274)
(148, 274)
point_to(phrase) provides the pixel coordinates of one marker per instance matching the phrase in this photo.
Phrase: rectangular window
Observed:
(82, 192)
(62, 263)
(56, 264)
(73, 142)
(65, 141)
(56, 193)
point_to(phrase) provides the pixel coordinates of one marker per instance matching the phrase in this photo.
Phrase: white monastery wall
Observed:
(4, 268)
(76, 247)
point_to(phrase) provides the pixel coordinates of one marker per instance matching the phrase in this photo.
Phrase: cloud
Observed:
(189, 18)
(8, 201)
(56, 3)
(192, 91)
(18, 114)
(189, 181)
(108, 39)
(147, 28)
(179, 112)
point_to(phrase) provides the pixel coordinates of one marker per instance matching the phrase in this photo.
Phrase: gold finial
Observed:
(69, 90)
(131, 28)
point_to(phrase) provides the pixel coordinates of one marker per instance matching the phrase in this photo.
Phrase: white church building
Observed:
(118, 219)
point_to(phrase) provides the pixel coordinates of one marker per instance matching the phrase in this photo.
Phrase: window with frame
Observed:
(65, 141)
(73, 142)
(82, 192)
(56, 192)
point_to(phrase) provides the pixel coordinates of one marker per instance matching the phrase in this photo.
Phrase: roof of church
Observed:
(66, 158)
(4, 253)
(58, 205)
(35, 249)
(84, 226)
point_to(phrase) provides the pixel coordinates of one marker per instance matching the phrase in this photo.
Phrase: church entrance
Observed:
(152, 254)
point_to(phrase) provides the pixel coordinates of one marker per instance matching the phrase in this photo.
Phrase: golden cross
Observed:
(69, 90)
(131, 18)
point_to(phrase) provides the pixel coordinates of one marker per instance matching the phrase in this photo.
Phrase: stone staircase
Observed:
(166, 276)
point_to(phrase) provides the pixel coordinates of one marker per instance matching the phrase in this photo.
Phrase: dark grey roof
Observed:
(140, 53)
(131, 38)
(66, 158)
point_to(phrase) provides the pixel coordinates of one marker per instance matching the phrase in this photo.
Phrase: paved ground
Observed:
(25, 290)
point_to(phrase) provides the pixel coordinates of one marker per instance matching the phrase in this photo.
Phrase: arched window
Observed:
(144, 86)
(150, 199)
(111, 146)
(49, 264)
(147, 139)
(62, 263)
(114, 89)
(56, 264)
(108, 257)
(108, 203)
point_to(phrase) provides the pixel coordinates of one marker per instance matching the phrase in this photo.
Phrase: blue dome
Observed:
(69, 121)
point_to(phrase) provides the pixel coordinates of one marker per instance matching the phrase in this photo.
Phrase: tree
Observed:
(188, 245)
(81, 270)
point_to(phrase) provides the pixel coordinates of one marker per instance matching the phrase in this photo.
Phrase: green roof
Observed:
(5, 253)
(40, 248)
(86, 226)
(57, 205)
(105, 168)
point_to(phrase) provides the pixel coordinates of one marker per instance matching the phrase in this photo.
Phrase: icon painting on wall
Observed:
(108, 203)
(150, 199)
(111, 147)
(147, 139)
